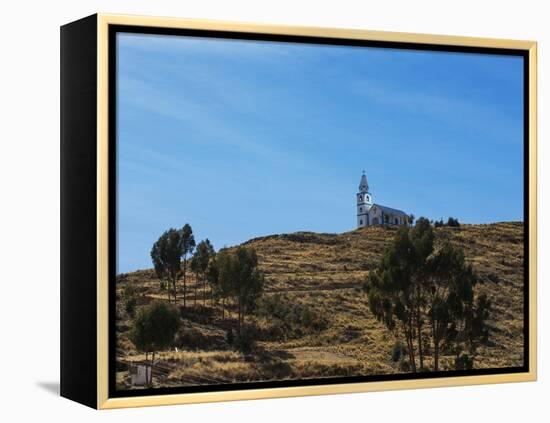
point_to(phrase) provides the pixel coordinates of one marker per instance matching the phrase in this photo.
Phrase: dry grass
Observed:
(324, 273)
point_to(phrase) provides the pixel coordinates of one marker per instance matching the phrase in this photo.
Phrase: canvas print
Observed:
(289, 212)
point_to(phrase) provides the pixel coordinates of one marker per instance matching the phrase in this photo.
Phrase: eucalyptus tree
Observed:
(248, 282)
(391, 293)
(235, 274)
(457, 319)
(166, 255)
(154, 329)
(422, 243)
(424, 293)
(187, 247)
(220, 286)
(206, 252)
(194, 265)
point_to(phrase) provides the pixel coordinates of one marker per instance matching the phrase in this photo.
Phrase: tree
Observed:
(453, 222)
(457, 319)
(469, 330)
(213, 277)
(476, 328)
(129, 295)
(187, 246)
(413, 285)
(166, 255)
(236, 274)
(248, 285)
(154, 329)
(203, 254)
(450, 288)
(396, 289)
(422, 240)
(391, 292)
(223, 274)
(411, 219)
(195, 268)
(210, 254)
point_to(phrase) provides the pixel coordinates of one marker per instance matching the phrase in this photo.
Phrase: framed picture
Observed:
(256, 211)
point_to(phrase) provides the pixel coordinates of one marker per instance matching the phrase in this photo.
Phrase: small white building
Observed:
(370, 213)
(140, 374)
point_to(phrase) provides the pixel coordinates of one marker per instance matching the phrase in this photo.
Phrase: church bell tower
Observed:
(364, 202)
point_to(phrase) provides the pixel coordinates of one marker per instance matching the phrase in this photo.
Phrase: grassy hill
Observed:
(322, 326)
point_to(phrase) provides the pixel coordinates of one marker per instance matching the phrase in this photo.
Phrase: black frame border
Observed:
(113, 30)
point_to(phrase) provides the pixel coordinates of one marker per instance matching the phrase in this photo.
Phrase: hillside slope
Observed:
(319, 276)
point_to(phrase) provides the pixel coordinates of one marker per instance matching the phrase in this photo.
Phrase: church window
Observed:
(360, 222)
(360, 209)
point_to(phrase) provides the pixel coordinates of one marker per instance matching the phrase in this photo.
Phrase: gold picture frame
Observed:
(98, 27)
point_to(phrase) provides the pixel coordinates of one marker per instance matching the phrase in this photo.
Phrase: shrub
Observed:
(397, 351)
(246, 340)
(229, 336)
(154, 327)
(130, 306)
(130, 291)
(290, 318)
(130, 301)
(404, 366)
(191, 338)
(453, 222)
(464, 362)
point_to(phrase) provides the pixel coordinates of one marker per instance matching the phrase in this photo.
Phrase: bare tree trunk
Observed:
(410, 352)
(435, 335)
(436, 356)
(418, 321)
(410, 343)
(174, 287)
(196, 284)
(419, 336)
(239, 316)
(184, 279)
(436, 353)
(204, 290)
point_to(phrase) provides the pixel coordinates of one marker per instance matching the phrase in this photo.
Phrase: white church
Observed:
(369, 213)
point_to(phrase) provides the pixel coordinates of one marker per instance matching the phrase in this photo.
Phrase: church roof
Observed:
(389, 210)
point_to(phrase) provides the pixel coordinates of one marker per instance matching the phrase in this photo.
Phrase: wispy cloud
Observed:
(203, 121)
(456, 110)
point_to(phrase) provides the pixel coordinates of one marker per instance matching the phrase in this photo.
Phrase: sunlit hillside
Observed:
(322, 326)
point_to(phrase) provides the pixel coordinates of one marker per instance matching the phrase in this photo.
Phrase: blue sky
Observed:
(244, 139)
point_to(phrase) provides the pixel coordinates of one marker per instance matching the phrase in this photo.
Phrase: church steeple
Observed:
(363, 185)
(364, 202)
